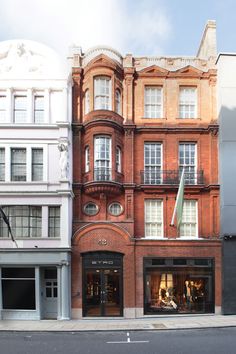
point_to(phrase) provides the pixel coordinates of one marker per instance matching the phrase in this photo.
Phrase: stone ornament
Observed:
(63, 162)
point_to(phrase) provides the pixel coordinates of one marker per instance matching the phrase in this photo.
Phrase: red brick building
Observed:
(136, 122)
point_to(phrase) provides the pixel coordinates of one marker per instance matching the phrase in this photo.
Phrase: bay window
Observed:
(102, 92)
(102, 158)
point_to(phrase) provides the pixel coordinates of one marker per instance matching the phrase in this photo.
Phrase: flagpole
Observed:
(177, 198)
(6, 220)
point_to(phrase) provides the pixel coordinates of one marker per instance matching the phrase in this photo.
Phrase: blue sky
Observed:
(141, 27)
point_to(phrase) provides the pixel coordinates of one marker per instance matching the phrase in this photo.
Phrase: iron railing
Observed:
(157, 177)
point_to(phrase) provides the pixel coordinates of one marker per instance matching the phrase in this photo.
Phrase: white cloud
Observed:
(58, 23)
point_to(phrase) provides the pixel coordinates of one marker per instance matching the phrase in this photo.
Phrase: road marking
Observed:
(129, 341)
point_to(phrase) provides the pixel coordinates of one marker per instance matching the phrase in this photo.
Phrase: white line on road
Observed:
(129, 341)
(135, 341)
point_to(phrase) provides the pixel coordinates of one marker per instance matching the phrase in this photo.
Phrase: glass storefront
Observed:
(102, 284)
(178, 285)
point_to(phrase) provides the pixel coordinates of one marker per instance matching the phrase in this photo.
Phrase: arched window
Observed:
(118, 101)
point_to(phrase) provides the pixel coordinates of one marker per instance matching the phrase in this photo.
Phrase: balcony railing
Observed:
(170, 177)
(102, 174)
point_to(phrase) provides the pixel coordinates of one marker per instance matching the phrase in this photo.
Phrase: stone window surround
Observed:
(10, 93)
(28, 148)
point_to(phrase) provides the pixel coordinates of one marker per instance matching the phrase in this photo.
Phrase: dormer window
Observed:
(102, 92)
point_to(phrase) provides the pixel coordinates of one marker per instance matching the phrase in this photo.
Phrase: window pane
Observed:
(20, 109)
(153, 218)
(187, 102)
(153, 102)
(102, 93)
(2, 164)
(54, 221)
(18, 294)
(18, 164)
(39, 109)
(3, 109)
(37, 164)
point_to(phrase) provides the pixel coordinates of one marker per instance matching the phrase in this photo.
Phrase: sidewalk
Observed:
(151, 323)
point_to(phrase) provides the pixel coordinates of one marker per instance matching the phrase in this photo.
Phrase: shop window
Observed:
(54, 220)
(153, 102)
(91, 209)
(153, 218)
(18, 288)
(2, 164)
(188, 102)
(102, 92)
(177, 289)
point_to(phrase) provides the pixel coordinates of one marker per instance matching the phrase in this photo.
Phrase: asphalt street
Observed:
(205, 341)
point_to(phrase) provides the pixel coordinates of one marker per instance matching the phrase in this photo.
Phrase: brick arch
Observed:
(101, 236)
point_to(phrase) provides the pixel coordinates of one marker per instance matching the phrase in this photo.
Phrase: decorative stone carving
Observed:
(19, 56)
(63, 162)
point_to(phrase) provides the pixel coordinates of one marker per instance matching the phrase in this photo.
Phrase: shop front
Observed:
(102, 284)
(178, 285)
(34, 284)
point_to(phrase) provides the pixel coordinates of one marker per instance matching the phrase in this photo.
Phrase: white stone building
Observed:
(35, 182)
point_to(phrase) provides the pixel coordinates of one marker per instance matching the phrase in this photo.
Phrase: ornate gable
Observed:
(189, 70)
(103, 61)
(153, 70)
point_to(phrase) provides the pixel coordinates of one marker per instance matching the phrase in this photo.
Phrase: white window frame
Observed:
(99, 161)
(87, 159)
(148, 220)
(187, 99)
(86, 102)
(100, 96)
(152, 108)
(44, 219)
(28, 148)
(153, 172)
(118, 101)
(185, 222)
(41, 95)
(118, 159)
(189, 167)
(3, 109)
(3, 165)
(26, 110)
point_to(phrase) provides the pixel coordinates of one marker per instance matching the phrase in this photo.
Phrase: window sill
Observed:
(156, 118)
(30, 238)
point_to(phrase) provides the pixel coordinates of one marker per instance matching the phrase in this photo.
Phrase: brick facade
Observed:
(129, 131)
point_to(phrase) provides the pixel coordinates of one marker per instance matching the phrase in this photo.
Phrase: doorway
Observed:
(50, 293)
(102, 285)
